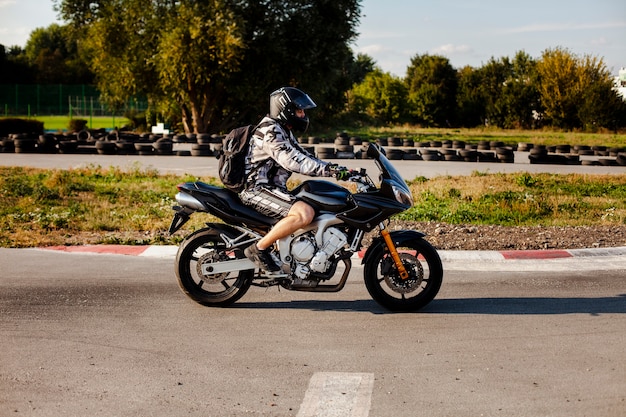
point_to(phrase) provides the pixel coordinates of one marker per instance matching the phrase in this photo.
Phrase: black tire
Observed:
(384, 284)
(205, 246)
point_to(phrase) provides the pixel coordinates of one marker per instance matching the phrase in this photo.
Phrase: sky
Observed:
(467, 32)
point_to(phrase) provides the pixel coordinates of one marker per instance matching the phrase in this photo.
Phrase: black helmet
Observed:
(283, 105)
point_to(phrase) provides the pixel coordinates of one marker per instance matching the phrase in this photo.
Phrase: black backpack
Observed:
(232, 158)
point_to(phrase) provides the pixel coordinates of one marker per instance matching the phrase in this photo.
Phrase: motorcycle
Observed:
(402, 271)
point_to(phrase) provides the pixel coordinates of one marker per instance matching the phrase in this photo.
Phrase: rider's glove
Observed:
(341, 173)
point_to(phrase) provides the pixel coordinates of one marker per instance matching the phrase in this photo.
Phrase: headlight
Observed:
(402, 196)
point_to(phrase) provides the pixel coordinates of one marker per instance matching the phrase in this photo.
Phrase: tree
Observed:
(215, 61)
(508, 91)
(54, 55)
(381, 96)
(470, 101)
(520, 94)
(432, 86)
(14, 67)
(577, 92)
(363, 65)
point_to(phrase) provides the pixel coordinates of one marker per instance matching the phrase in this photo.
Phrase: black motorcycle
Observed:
(402, 271)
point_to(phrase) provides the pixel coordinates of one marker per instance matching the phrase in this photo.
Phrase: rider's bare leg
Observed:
(301, 214)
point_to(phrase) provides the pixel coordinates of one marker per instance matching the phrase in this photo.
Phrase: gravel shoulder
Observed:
(482, 237)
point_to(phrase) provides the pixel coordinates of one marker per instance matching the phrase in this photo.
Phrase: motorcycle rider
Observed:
(273, 156)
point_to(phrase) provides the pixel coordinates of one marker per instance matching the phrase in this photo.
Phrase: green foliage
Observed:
(381, 96)
(560, 90)
(432, 85)
(207, 66)
(76, 125)
(214, 63)
(17, 125)
(577, 92)
(54, 53)
(526, 180)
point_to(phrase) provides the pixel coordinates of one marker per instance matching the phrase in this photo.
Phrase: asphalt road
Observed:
(112, 335)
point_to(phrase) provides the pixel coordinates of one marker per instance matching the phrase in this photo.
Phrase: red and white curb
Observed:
(168, 251)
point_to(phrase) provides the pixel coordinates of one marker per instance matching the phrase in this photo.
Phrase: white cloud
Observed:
(373, 49)
(452, 49)
(7, 3)
(602, 41)
(558, 27)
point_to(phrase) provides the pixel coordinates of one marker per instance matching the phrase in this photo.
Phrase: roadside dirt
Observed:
(471, 237)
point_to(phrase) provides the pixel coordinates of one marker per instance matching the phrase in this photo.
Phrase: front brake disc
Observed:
(413, 267)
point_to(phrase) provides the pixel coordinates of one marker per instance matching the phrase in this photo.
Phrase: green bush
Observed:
(76, 125)
(10, 126)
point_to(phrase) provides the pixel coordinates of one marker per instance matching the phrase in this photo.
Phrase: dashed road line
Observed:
(338, 394)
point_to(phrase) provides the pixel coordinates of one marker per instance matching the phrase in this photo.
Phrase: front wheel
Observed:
(388, 289)
(219, 290)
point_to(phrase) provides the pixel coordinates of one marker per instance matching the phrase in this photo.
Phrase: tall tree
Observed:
(521, 97)
(509, 91)
(470, 103)
(577, 92)
(14, 67)
(432, 84)
(380, 96)
(493, 77)
(53, 53)
(216, 61)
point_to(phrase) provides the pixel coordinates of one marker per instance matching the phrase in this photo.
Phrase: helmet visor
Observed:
(303, 102)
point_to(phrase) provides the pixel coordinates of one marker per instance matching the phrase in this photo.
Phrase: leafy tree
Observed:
(54, 55)
(508, 91)
(520, 95)
(577, 92)
(559, 90)
(432, 84)
(381, 96)
(304, 44)
(470, 102)
(493, 77)
(215, 62)
(363, 65)
(14, 68)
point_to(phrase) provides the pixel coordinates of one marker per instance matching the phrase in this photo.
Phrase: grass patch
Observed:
(109, 205)
(50, 207)
(521, 200)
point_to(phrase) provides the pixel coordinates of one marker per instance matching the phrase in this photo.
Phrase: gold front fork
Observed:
(394, 252)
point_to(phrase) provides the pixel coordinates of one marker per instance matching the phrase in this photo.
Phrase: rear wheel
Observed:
(387, 288)
(221, 289)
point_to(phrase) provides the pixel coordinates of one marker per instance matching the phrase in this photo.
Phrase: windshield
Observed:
(392, 184)
(387, 170)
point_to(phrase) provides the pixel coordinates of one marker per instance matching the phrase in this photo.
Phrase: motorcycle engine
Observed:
(308, 257)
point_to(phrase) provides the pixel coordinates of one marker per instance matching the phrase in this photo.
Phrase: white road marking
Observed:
(338, 394)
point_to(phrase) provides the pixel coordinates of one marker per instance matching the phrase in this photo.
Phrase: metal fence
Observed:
(59, 99)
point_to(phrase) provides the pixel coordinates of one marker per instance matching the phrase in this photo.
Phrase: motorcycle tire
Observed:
(218, 290)
(387, 288)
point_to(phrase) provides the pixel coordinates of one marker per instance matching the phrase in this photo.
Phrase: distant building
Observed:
(620, 83)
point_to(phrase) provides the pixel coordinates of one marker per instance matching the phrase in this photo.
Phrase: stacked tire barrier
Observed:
(111, 143)
(574, 155)
(343, 146)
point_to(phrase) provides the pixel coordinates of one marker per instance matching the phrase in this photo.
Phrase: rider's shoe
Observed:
(262, 258)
